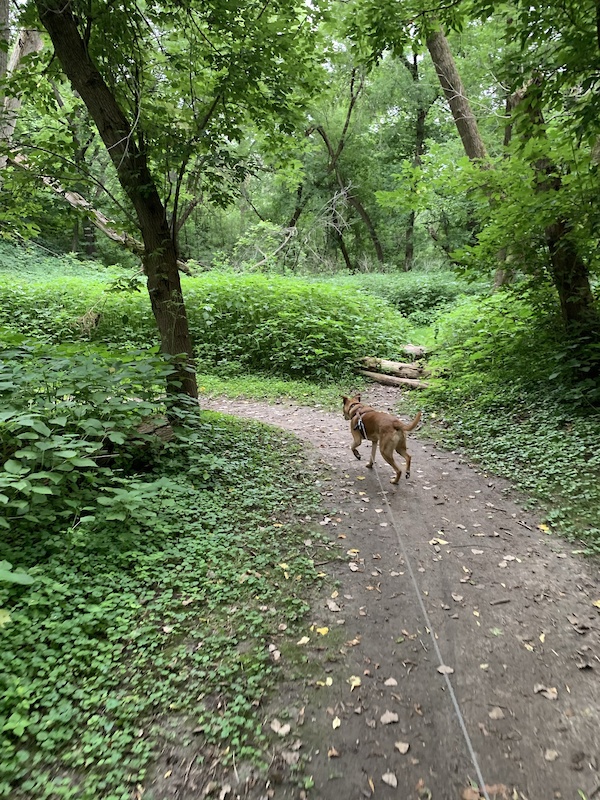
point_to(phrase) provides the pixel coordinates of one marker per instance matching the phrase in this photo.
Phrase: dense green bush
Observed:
(64, 412)
(520, 397)
(283, 326)
(421, 296)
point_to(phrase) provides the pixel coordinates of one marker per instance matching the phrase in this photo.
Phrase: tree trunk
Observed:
(569, 271)
(455, 94)
(409, 246)
(572, 281)
(4, 35)
(363, 214)
(130, 161)
(27, 42)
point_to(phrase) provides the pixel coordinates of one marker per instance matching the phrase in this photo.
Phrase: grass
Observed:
(259, 387)
(164, 615)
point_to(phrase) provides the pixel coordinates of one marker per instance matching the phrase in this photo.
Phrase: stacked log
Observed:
(396, 373)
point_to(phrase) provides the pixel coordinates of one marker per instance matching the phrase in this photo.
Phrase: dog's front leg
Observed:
(356, 441)
(373, 451)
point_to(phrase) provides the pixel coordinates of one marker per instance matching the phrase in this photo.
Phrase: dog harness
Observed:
(360, 425)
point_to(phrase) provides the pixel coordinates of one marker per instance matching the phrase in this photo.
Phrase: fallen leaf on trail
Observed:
(353, 566)
(544, 528)
(360, 477)
(168, 773)
(596, 603)
(224, 791)
(484, 666)
(496, 713)
(362, 611)
(290, 758)
(341, 536)
(496, 631)
(549, 693)
(402, 747)
(475, 613)
(391, 682)
(438, 541)
(457, 598)
(327, 682)
(396, 574)
(335, 593)
(390, 779)
(303, 640)
(529, 647)
(476, 552)
(278, 728)
(325, 521)
(462, 527)
(353, 642)
(336, 723)
(372, 785)
(331, 753)
(323, 631)
(352, 552)
(551, 755)
(354, 681)
(388, 717)
(443, 669)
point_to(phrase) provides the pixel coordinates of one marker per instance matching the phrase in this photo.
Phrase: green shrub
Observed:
(517, 395)
(282, 326)
(417, 295)
(287, 326)
(63, 413)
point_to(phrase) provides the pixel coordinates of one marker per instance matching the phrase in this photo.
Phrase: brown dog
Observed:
(377, 426)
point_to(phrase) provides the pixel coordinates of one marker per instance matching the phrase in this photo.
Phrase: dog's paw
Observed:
(407, 475)
(369, 465)
(356, 455)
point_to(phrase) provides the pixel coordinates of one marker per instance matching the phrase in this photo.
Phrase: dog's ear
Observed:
(344, 398)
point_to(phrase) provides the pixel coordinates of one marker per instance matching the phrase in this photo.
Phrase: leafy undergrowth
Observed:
(516, 396)
(160, 604)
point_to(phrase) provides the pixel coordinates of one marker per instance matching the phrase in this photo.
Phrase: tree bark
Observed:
(455, 94)
(409, 246)
(131, 164)
(27, 42)
(569, 271)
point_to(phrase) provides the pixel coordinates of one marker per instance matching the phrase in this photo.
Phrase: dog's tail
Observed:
(411, 425)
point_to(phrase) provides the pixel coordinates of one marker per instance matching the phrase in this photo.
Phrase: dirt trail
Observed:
(448, 570)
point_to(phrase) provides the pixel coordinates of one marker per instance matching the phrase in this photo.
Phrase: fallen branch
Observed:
(97, 218)
(392, 380)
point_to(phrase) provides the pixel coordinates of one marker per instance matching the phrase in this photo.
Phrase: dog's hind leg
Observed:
(388, 455)
(401, 449)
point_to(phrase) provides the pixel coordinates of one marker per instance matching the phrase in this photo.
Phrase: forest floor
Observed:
(462, 648)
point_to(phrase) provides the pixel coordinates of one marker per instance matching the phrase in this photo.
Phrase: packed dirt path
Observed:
(461, 658)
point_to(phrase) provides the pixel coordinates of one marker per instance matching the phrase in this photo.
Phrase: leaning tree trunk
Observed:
(130, 161)
(455, 94)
